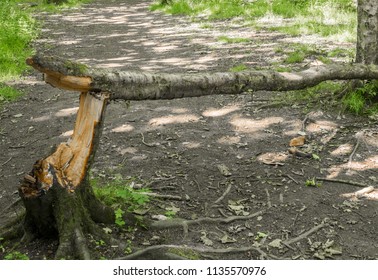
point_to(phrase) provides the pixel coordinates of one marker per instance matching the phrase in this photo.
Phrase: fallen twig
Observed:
(147, 144)
(291, 178)
(224, 194)
(352, 154)
(342, 182)
(305, 234)
(269, 203)
(7, 161)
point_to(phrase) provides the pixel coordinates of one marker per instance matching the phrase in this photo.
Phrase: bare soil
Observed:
(213, 157)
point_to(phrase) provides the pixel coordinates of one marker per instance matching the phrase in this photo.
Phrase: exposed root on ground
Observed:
(145, 252)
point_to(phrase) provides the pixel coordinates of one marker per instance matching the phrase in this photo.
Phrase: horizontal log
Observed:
(133, 85)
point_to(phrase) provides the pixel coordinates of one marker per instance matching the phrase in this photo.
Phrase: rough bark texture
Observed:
(58, 198)
(367, 32)
(143, 85)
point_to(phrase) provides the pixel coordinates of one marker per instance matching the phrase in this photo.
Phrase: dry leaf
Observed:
(297, 141)
(223, 169)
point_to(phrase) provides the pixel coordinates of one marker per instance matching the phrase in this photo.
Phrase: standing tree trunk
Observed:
(367, 32)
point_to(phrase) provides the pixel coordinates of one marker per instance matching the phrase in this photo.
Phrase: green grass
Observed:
(18, 29)
(229, 40)
(119, 193)
(239, 68)
(363, 100)
(8, 93)
(329, 18)
(297, 53)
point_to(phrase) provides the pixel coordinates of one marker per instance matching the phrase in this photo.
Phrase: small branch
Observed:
(269, 203)
(342, 182)
(353, 152)
(224, 194)
(291, 178)
(7, 161)
(147, 144)
(305, 234)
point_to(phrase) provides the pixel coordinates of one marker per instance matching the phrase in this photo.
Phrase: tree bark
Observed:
(129, 85)
(367, 32)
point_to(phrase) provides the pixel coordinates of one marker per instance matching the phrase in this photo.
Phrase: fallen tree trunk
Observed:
(129, 85)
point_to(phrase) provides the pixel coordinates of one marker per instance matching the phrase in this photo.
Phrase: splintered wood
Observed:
(69, 163)
(61, 80)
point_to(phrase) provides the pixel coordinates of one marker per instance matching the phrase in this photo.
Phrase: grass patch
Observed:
(8, 93)
(228, 40)
(18, 29)
(363, 100)
(295, 57)
(239, 68)
(323, 94)
(121, 193)
(297, 53)
(329, 18)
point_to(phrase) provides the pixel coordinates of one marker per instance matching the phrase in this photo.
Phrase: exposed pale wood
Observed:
(68, 164)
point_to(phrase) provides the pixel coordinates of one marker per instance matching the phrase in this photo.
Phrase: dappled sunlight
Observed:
(67, 112)
(41, 119)
(291, 128)
(252, 126)
(179, 110)
(320, 126)
(273, 158)
(129, 150)
(229, 140)
(219, 112)
(353, 167)
(344, 149)
(191, 145)
(172, 119)
(123, 128)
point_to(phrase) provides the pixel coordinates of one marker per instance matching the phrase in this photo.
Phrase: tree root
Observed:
(13, 229)
(174, 223)
(224, 194)
(342, 182)
(305, 234)
(144, 252)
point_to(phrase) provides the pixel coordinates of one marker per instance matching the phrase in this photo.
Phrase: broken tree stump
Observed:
(58, 198)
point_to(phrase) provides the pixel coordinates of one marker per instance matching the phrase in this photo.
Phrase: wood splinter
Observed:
(68, 164)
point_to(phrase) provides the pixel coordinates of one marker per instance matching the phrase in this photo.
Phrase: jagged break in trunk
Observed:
(58, 198)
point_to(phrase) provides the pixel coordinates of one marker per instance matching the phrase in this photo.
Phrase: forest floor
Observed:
(212, 157)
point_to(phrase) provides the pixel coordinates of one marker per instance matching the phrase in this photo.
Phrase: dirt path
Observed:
(224, 156)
